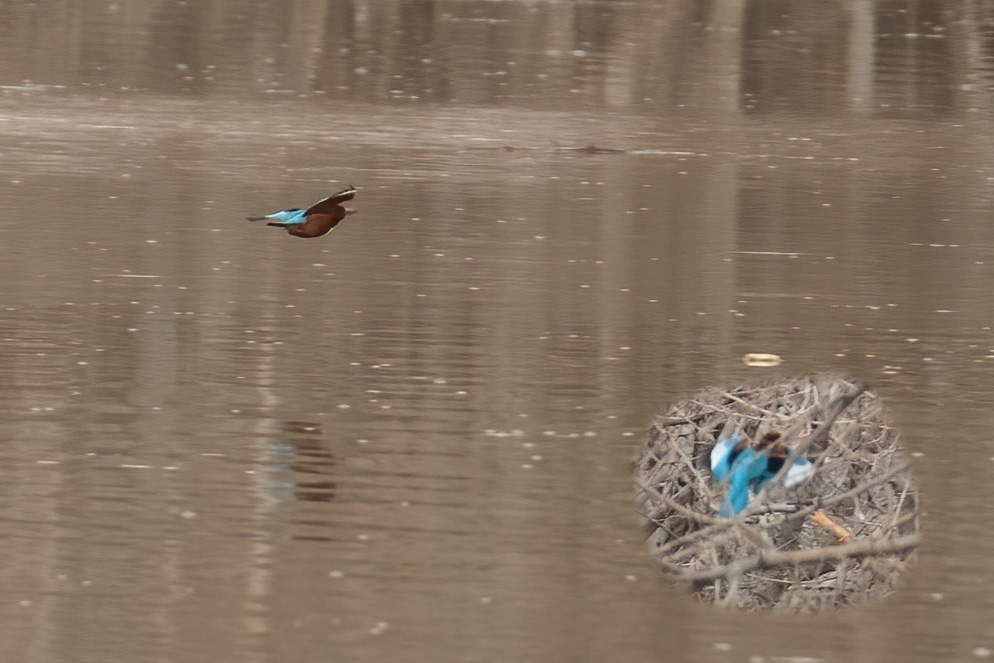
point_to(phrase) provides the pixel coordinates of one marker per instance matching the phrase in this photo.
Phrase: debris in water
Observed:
(762, 359)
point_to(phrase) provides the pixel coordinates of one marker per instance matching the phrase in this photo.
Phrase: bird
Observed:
(317, 220)
(749, 468)
(798, 473)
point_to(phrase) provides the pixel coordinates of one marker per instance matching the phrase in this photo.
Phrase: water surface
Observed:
(411, 440)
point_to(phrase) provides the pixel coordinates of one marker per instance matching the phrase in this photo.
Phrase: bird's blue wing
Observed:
(289, 217)
(748, 467)
(723, 456)
(743, 469)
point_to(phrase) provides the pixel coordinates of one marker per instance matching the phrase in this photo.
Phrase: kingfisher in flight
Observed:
(748, 468)
(317, 220)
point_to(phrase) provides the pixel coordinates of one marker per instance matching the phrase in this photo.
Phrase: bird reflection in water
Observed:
(310, 462)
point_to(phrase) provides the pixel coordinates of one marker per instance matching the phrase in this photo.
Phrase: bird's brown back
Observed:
(319, 224)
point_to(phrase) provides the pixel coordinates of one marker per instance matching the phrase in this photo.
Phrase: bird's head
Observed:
(768, 440)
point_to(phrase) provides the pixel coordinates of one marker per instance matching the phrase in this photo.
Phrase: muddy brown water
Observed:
(411, 440)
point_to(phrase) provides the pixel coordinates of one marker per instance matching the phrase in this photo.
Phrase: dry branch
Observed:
(824, 521)
(771, 558)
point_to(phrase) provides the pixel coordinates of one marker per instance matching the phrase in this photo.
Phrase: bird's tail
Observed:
(737, 498)
(257, 218)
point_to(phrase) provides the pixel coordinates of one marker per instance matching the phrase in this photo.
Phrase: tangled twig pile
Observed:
(846, 535)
